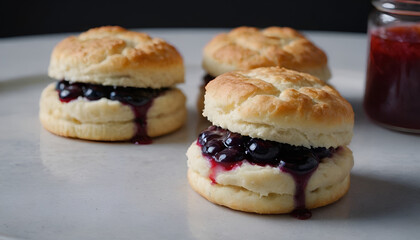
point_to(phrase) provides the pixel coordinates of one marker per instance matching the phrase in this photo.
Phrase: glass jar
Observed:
(392, 94)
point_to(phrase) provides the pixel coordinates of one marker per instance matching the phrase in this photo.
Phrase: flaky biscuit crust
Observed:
(280, 105)
(116, 56)
(267, 190)
(248, 47)
(107, 120)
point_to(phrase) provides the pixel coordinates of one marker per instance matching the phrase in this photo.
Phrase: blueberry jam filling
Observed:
(227, 150)
(139, 99)
(207, 78)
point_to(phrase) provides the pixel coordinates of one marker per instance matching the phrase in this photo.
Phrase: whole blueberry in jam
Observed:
(263, 151)
(234, 140)
(71, 92)
(212, 147)
(95, 92)
(229, 155)
(207, 136)
(61, 85)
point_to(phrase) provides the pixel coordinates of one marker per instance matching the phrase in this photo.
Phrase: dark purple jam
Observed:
(207, 78)
(139, 99)
(301, 213)
(227, 150)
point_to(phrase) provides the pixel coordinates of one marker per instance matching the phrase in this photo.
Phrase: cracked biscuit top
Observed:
(281, 105)
(115, 56)
(248, 47)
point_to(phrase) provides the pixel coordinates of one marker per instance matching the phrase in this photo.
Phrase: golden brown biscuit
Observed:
(117, 57)
(280, 105)
(248, 47)
(107, 120)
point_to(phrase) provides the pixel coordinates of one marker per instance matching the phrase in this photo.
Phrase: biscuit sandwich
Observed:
(278, 143)
(113, 85)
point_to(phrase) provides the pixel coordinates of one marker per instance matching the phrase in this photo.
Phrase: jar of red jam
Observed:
(392, 94)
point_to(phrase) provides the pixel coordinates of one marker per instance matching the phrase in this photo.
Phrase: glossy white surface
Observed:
(57, 188)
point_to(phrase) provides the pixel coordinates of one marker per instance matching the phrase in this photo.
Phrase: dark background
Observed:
(40, 17)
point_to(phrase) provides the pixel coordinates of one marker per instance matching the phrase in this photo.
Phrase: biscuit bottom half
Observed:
(108, 120)
(267, 189)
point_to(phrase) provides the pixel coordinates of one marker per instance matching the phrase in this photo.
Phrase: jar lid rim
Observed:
(400, 7)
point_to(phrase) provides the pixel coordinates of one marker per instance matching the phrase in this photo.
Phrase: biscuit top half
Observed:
(281, 105)
(248, 47)
(115, 56)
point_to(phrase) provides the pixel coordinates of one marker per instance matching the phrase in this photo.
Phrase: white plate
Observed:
(58, 188)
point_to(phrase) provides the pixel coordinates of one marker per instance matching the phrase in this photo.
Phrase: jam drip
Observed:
(227, 150)
(139, 99)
